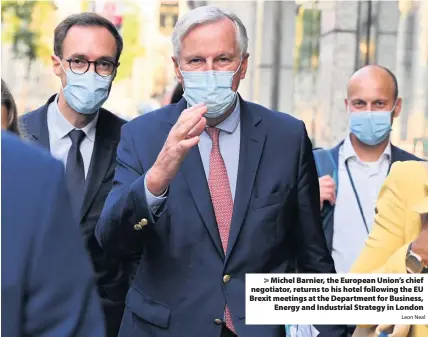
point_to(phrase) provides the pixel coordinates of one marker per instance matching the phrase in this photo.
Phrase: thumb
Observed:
(400, 331)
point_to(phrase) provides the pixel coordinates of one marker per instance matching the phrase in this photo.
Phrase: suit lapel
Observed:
(101, 160)
(396, 154)
(252, 141)
(253, 137)
(40, 133)
(193, 171)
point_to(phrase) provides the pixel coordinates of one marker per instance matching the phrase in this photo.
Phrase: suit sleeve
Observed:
(126, 216)
(385, 250)
(312, 252)
(62, 298)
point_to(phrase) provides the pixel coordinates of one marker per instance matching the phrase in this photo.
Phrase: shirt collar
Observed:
(349, 152)
(63, 126)
(230, 124)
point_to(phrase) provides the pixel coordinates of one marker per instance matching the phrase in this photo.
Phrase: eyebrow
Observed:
(191, 57)
(102, 58)
(365, 101)
(226, 55)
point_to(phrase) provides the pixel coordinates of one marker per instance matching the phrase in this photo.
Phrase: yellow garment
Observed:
(402, 198)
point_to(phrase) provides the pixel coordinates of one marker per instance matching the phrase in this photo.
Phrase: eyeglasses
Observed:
(80, 65)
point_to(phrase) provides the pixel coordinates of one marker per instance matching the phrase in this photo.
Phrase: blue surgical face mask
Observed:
(86, 93)
(371, 127)
(214, 88)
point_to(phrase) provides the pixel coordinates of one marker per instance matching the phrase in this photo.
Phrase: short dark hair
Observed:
(394, 79)
(8, 101)
(85, 19)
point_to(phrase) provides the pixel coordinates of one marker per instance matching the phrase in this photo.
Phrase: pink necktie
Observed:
(221, 197)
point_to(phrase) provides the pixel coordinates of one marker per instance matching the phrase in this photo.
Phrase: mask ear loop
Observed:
(60, 63)
(393, 108)
(240, 63)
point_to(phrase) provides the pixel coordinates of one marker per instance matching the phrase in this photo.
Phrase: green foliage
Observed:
(43, 23)
(24, 24)
(17, 20)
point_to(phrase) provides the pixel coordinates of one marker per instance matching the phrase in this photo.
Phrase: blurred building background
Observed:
(302, 54)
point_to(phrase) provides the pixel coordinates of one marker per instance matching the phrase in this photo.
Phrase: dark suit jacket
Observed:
(111, 277)
(47, 283)
(397, 154)
(179, 288)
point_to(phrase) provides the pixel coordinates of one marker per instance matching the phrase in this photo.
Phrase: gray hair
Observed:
(207, 14)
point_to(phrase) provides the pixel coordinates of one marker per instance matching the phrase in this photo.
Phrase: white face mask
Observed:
(213, 88)
(371, 127)
(86, 93)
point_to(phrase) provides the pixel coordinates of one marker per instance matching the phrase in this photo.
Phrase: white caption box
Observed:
(336, 299)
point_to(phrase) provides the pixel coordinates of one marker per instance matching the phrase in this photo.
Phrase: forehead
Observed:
(371, 85)
(211, 39)
(91, 41)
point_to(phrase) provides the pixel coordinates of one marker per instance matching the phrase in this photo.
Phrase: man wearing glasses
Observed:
(76, 130)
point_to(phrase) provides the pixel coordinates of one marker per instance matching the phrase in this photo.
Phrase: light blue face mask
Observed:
(371, 127)
(86, 93)
(212, 87)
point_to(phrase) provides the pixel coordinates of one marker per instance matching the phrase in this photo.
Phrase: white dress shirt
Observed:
(350, 233)
(59, 140)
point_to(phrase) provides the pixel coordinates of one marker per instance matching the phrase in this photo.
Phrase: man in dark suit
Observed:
(76, 130)
(204, 206)
(47, 283)
(361, 163)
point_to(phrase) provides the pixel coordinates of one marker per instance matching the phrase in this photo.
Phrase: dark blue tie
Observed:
(75, 171)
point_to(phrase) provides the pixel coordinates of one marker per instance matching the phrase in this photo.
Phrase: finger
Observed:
(383, 327)
(329, 184)
(328, 197)
(332, 195)
(326, 190)
(182, 129)
(198, 128)
(325, 197)
(191, 113)
(400, 331)
(329, 181)
(186, 144)
(199, 109)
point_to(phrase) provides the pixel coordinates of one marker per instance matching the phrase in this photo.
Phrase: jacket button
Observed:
(218, 321)
(138, 227)
(226, 278)
(143, 222)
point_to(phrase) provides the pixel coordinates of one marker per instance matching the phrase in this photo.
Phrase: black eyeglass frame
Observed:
(69, 60)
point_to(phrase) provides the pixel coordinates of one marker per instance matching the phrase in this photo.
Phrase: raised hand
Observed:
(182, 137)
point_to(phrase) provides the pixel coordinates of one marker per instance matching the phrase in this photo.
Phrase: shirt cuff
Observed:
(155, 203)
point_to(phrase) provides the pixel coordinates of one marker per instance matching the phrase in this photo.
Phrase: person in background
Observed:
(47, 283)
(352, 173)
(203, 194)
(84, 136)
(398, 241)
(9, 112)
(177, 94)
